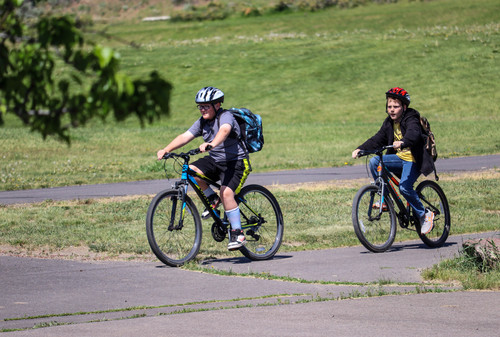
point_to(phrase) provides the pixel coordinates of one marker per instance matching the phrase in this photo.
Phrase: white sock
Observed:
(233, 216)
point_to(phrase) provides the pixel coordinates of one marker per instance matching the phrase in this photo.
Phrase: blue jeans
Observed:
(408, 172)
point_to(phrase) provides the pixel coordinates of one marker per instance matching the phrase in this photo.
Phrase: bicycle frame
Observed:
(188, 179)
(388, 182)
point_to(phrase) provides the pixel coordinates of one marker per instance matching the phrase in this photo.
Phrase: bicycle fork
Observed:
(379, 182)
(181, 187)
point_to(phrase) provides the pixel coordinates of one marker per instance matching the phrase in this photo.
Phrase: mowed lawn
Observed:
(316, 78)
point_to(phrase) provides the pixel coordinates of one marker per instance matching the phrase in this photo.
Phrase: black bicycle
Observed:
(173, 223)
(378, 207)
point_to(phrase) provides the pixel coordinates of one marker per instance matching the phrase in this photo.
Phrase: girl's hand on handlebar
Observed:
(355, 153)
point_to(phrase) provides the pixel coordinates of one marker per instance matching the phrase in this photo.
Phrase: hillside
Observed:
(317, 79)
(128, 10)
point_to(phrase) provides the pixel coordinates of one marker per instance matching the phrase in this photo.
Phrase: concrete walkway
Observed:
(116, 298)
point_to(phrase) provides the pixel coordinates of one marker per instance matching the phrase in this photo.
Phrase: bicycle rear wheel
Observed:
(262, 222)
(174, 243)
(434, 199)
(375, 230)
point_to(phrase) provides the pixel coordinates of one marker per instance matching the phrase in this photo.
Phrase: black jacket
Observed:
(412, 138)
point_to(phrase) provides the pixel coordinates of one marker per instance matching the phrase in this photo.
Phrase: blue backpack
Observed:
(251, 128)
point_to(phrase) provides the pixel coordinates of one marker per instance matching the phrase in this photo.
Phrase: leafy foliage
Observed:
(51, 101)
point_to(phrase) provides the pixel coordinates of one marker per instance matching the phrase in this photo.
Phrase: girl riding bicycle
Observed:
(407, 160)
(228, 160)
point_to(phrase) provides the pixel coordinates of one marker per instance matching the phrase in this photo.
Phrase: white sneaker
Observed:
(236, 239)
(214, 202)
(427, 222)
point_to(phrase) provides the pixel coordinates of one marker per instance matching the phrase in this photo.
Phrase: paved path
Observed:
(117, 298)
(160, 300)
(268, 178)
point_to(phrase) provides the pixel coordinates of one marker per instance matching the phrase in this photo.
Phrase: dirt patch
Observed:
(322, 185)
(80, 253)
(474, 175)
(118, 10)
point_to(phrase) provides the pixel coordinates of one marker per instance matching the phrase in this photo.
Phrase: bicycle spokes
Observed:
(174, 233)
(375, 231)
(252, 225)
(431, 207)
(262, 222)
(373, 204)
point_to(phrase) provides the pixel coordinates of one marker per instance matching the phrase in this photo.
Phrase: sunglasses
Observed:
(203, 107)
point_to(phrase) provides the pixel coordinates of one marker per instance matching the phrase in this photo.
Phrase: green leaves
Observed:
(104, 55)
(90, 85)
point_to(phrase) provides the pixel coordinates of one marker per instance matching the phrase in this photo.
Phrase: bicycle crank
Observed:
(218, 233)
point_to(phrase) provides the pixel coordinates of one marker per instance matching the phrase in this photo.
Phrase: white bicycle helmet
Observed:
(209, 95)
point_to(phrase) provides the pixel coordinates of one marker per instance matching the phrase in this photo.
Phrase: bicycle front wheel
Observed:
(261, 221)
(433, 198)
(174, 232)
(375, 230)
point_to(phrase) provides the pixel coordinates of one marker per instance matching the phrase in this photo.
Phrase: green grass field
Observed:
(317, 79)
(316, 216)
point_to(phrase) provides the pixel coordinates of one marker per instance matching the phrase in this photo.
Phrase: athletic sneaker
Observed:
(376, 205)
(214, 202)
(236, 239)
(427, 222)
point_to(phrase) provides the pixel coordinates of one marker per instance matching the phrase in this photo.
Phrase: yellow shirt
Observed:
(404, 154)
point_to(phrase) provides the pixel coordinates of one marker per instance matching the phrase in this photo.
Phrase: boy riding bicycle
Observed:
(402, 129)
(228, 159)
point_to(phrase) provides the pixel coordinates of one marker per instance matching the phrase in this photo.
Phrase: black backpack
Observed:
(429, 140)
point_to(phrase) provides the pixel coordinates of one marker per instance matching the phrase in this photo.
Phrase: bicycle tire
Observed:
(174, 247)
(264, 233)
(377, 235)
(433, 198)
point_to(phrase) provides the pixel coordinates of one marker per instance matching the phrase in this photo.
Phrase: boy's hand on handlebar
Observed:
(397, 144)
(205, 147)
(160, 154)
(355, 153)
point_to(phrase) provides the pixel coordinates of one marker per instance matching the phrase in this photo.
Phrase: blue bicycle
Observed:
(174, 228)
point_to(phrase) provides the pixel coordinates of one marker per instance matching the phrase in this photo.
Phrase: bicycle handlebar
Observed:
(181, 155)
(184, 154)
(379, 151)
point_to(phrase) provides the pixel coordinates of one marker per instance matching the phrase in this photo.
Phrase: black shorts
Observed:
(232, 174)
